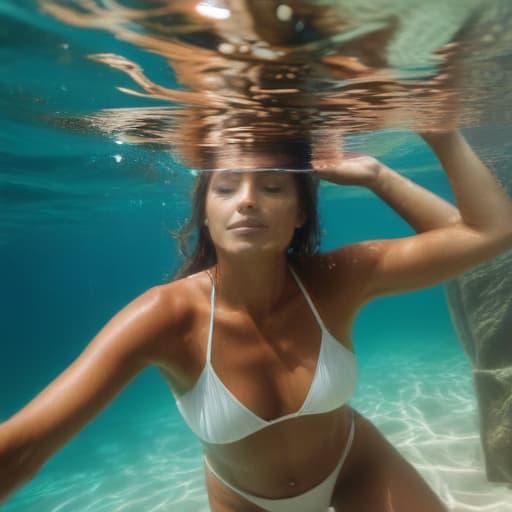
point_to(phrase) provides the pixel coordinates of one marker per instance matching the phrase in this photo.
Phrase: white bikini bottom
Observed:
(317, 499)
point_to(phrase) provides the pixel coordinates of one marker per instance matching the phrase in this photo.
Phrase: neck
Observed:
(253, 285)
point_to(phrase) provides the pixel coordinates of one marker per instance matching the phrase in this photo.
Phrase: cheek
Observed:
(207, 211)
(216, 216)
(288, 216)
(293, 209)
(213, 210)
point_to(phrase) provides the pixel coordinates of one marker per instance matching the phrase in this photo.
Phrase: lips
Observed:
(247, 224)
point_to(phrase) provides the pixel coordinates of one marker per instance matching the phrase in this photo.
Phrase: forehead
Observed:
(256, 175)
(269, 155)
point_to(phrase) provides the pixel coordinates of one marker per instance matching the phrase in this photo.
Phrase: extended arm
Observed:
(120, 350)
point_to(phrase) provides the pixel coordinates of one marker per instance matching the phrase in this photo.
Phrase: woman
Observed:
(256, 341)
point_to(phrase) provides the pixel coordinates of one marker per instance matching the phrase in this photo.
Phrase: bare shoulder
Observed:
(146, 331)
(171, 310)
(344, 271)
(338, 283)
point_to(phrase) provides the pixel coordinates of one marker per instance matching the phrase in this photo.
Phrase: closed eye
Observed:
(224, 190)
(273, 188)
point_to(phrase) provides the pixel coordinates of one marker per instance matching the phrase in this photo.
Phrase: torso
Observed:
(269, 368)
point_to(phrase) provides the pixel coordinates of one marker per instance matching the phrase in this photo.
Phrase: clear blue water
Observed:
(62, 283)
(84, 231)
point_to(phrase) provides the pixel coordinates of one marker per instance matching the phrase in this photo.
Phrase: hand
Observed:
(348, 169)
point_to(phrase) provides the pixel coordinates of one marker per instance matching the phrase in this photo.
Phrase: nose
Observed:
(248, 197)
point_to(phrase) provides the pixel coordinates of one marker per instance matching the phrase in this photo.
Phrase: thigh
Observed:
(378, 479)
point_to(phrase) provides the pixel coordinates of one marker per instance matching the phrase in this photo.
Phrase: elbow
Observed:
(498, 229)
(502, 236)
(493, 232)
(497, 241)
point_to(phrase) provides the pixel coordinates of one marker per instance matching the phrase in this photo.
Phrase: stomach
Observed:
(286, 458)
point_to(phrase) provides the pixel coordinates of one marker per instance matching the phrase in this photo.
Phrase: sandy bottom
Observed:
(428, 413)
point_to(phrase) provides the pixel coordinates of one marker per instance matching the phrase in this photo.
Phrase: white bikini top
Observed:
(216, 416)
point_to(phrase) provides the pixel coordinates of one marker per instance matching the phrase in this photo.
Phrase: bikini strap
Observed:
(212, 316)
(308, 299)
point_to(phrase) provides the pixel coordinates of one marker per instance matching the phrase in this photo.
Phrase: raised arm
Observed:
(420, 208)
(450, 241)
(483, 204)
(121, 349)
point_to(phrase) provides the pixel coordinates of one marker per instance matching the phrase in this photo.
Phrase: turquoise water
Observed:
(61, 286)
(62, 283)
(84, 231)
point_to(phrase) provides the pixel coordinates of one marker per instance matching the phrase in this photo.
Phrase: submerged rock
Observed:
(480, 304)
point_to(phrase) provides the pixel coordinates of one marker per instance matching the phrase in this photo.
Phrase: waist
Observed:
(302, 451)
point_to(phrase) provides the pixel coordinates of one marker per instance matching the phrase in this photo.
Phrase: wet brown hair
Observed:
(305, 241)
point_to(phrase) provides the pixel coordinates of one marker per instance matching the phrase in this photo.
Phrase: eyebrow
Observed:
(256, 172)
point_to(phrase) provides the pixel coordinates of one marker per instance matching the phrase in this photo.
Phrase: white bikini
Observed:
(216, 416)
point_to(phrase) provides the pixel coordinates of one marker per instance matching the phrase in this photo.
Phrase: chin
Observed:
(258, 250)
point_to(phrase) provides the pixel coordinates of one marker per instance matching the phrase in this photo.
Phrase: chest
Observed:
(269, 367)
(269, 370)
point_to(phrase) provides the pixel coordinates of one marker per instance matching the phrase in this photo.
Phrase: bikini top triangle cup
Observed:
(216, 416)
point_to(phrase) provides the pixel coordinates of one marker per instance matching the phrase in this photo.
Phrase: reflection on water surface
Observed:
(105, 102)
(246, 73)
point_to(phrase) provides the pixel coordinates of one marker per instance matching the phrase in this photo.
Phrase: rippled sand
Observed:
(428, 412)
